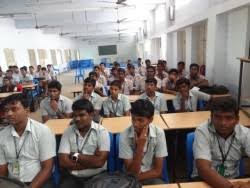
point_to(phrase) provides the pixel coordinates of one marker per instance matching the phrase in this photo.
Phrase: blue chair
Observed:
(111, 156)
(190, 157)
(119, 162)
(79, 74)
(56, 175)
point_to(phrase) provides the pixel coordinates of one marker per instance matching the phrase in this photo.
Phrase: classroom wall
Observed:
(21, 40)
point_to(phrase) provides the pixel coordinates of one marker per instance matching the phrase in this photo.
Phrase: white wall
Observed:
(21, 40)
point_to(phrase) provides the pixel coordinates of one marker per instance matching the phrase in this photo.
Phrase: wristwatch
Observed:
(75, 157)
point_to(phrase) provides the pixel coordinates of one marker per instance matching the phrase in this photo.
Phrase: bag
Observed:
(11, 183)
(214, 90)
(113, 180)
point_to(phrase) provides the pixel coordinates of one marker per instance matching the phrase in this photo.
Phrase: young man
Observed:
(195, 78)
(55, 106)
(84, 147)
(15, 74)
(116, 104)
(89, 94)
(7, 86)
(219, 144)
(182, 73)
(141, 70)
(186, 99)
(169, 85)
(27, 147)
(126, 85)
(113, 75)
(25, 78)
(161, 74)
(99, 88)
(132, 75)
(104, 70)
(156, 98)
(143, 146)
(100, 78)
(32, 71)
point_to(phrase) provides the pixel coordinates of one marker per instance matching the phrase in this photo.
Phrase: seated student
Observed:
(116, 104)
(169, 86)
(132, 75)
(186, 99)
(127, 85)
(15, 74)
(100, 78)
(147, 62)
(32, 71)
(99, 88)
(7, 86)
(27, 147)
(94, 98)
(182, 73)
(55, 106)
(104, 70)
(141, 70)
(219, 144)
(25, 78)
(51, 71)
(84, 147)
(161, 74)
(38, 71)
(156, 98)
(143, 146)
(113, 75)
(195, 78)
(140, 84)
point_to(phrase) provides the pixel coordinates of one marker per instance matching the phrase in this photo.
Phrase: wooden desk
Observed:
(4, 95)
(119, 124)
(29, 86)
(205, 185)
(133, 98)
(189, 120)
(58, 126)
(76, 89)
(161, 186)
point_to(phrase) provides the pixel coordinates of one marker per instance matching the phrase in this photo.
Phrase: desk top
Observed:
(187, 120)
(4, 95)
(58, 126)
(119, 124)
(27, 86)
(76, 88)
(205, 185)
(133, 98)
(161, 186)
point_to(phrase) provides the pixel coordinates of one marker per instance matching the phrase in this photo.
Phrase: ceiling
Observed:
(80, 19)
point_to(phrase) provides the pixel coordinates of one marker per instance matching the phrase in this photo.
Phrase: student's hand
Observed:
(86, 96)
(141, 140)
(97, 152)
(54, 105)
(239, 184)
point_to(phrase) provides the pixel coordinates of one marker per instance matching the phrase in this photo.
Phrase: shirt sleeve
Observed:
(201, 146)
(104, 140)
(105, 108)
(68, 106)
(43, 109)
(202, 95)
(247, 143)
(176, 104)
(125, 150)
(161, 145)
(164, 107)
(65, 143)
(47, 145)
(127, 105)
(2, 156)
(98, 104)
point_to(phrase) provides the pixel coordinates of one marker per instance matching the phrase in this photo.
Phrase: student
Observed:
(113, 75)
(126, 85)
(25, 78)
(147, 62)
(104, 70)
(7, 86)
(100, 78)
(55, 106)
(27, 147)
(51, 71)
(132, 75)
(156, 98)
(169, 85)
(161, 74)
(182, 73)
(140, 84)
(84, 147)
(195, 78)
(116, 104)
(38, 71)
(143, 146)
(186, 99)
(15, 74)
(220, 143)
(98, 86)
(94, 98)
(32, 71)
(141, 70)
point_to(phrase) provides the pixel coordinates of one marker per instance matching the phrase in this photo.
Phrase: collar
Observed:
(60, 98)
(118, 98)
(152, 131)
(190, 95)
(27, 129)
(157, 94)
(93, 126)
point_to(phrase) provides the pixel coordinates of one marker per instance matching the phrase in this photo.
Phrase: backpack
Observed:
(11, 183)
(113, 180)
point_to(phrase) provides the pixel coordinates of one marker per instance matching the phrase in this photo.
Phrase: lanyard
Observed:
(224, 156)
(85, 141)
(18, 152)
(114, 107)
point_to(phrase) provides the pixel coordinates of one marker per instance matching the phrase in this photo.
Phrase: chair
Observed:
(79, 73)
(111, 156)
(190, 157)
(119, 162)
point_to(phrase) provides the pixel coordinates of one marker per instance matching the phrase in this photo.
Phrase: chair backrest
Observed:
(119, 162)
(190, 157)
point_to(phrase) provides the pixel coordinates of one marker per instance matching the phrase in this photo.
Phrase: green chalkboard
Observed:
(107, 50)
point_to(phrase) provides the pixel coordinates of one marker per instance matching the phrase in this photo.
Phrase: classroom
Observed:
(125, 93)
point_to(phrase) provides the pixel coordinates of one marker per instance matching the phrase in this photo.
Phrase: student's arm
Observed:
(43, 175)
(210, 176)
(155, 172)
(4, 170)
(127, 106)
(165, 90)
(45, 118)
(45, 115)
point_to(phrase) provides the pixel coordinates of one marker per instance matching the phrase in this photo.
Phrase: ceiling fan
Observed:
(118, 2)
(40, 26)
(15, 14)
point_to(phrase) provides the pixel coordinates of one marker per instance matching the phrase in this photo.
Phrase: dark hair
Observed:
(18, 97)
(194, 65)
(96, 67)
(182, 81)
(173, 71)
(224, 104)
(103, 64)
(116, 83)
(150, 67)
(151, 80)
(143, 108)
(6, 78)
(31, 66)
(116, 64)
(92, 73)
(24, 68)
(90, 80)
(147, 60)
(83, 104)
(121, 70)
(55, 84)
(43, 68)
(181, 63)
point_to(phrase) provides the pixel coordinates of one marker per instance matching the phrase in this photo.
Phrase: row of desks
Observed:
(190, 184)
(174, 121)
